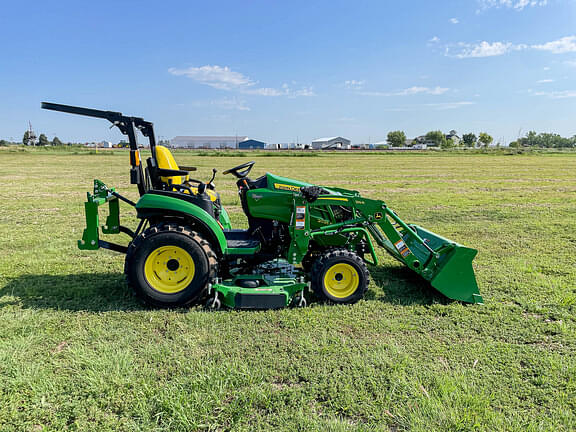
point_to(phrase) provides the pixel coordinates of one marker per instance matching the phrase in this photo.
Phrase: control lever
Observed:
(210, 183)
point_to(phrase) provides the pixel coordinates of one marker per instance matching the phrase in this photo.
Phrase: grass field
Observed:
(78, 352)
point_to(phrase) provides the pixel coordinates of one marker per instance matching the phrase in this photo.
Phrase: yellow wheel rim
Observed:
(341, 280)
(169, 269)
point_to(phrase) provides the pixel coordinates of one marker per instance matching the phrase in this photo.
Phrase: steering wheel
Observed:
(240, 171)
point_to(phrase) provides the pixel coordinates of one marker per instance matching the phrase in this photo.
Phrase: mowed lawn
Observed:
(78, 352)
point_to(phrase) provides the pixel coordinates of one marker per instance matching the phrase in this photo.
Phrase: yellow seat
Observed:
(165, 160)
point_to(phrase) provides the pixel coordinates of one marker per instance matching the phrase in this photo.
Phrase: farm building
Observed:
(453, 135)
(331, 143)
(251, 144)
(207, 142)
(287, 146)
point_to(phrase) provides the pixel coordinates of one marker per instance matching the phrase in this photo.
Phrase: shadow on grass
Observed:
(101, 292)
(400, 285)
(93, 292)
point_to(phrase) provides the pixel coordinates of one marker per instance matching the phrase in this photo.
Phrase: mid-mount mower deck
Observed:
(302, 239)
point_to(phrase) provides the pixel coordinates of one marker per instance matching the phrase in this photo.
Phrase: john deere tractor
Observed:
(302, 240)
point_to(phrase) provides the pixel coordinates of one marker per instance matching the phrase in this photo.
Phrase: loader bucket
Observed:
(453, 274)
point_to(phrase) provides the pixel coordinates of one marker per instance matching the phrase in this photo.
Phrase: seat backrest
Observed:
(165, 160)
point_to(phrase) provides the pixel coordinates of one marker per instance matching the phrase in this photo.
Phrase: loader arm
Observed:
(446, 264)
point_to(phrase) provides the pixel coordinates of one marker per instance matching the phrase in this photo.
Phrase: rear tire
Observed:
(340, 276)
(170, 265)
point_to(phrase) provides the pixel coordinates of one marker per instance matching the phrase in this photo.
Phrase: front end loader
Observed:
(303, 241)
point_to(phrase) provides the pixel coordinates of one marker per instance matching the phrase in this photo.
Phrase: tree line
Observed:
(544, 140)
(440, 139)
(30, 139)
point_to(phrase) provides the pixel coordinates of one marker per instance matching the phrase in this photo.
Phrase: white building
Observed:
(207, 142)
(453, 135)
(287, 146)
(277, 146)
(331, 143)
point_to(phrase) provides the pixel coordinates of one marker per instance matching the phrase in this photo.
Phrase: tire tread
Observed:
(174, 228)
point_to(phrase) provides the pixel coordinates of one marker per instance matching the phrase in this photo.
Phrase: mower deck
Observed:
(258, 291)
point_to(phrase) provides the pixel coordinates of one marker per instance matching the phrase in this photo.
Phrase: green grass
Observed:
(78, 352)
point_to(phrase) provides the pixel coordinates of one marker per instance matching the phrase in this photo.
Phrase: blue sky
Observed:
(287, 71)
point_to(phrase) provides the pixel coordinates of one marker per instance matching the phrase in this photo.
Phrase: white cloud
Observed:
(565, 94)
(490, 49)
(215, 76)
(304, 91)
(223, 78)
(546, 68)
(511, 4)
(560, 46)
(230, 104)
(571, 63)
(544, 81)
(449, 105)
(285, 90)
(409, 91)
(264, 91)
(354, 84)
(483, 49)
(427, 90)
(435, 39)
(454, 20)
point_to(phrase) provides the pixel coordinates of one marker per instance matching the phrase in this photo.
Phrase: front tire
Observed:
(170, 265)
(340, 276)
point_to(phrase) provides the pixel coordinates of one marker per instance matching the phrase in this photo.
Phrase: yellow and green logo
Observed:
(286, 187)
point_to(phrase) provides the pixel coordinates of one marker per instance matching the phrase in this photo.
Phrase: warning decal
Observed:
(300, 217)
(402, 248)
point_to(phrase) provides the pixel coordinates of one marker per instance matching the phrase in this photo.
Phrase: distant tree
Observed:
(448, 143)
(514, 144)
(485, 139)
(530, 140)
(469, 139)
(546, 140)
(43, 140)
(26, 138)
(56, 142)
(4, 143)
(437, 137)
(396, 139)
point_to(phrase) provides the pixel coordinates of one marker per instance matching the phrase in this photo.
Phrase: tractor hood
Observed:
(278, 183)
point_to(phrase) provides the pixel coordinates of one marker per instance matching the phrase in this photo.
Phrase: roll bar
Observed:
(128, 126)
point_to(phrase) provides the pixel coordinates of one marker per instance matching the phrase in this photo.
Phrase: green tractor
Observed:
(302, 239)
